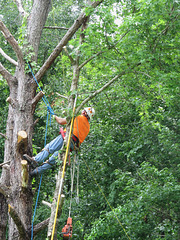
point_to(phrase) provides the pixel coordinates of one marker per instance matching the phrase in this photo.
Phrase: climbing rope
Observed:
(63, 172)
(77, 191)
(49, 110)
(72, 183)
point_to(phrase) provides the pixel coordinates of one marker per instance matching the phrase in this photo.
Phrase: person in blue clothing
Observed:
(81, 128)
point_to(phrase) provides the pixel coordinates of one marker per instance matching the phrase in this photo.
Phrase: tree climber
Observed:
(81, 128)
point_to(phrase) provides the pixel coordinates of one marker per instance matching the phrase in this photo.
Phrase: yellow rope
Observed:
(106, 200)
(64, 166)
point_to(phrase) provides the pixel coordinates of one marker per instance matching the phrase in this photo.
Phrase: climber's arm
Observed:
(61, 121)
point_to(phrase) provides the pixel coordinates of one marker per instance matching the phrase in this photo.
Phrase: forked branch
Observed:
(12, 41)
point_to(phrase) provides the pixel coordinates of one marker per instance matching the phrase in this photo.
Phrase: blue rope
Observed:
(49, 110)
(39, 182)
(44, 98)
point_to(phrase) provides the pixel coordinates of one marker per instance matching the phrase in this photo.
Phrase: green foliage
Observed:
(3, 116)
(148, 206)
(132, 147)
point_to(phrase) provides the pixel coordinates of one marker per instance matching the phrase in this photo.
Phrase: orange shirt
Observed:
(81, 127)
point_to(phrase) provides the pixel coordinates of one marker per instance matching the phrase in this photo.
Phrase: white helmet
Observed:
(90, 112)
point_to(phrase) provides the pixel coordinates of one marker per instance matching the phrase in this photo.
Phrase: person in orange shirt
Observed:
(81, 128)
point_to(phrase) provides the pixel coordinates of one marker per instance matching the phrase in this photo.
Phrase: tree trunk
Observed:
(20, 118)
(3, 217)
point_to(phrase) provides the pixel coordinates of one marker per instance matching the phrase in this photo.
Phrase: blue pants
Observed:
(51, 148)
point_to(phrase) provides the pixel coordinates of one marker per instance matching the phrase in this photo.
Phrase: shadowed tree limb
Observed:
(99, 90)
(22, 231)
(40, 226)
(69, 56)
(56, 27)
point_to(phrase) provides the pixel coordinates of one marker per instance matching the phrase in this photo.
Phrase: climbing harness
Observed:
(63, 171)
(49, 111)
(62, 133)
(75, 142)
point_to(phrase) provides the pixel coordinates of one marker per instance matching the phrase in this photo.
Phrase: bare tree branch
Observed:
(62, 95)
(35, 122)
(106, 85)
(46, 203)
(4, 163)
(5, 191)
(56, 27)
(143, 73)
(6, 166)
(67, 53)
(76, 25)
(3, 135)
(40, 226)
(11, 101)
(89, 59)
(8, 58)
(12, 41)
(20, 8)
(22, 231)
(99, 90)
(37, 98)
(102, 51)
(6, 75)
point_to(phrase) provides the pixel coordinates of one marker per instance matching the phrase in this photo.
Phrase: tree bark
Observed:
(37, 20)
(3, 217)
(20, 117)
